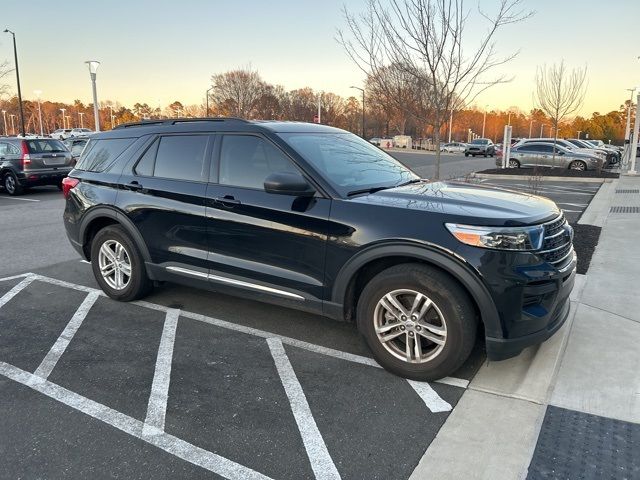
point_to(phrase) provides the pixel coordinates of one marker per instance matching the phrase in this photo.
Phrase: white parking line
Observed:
(330, 352)
(20, 199)
(49, 362)
(17, 289)
(321, 462)
(429, 396)
(198, 456)
(157, 407)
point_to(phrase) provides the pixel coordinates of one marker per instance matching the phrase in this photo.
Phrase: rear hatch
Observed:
(47, 154)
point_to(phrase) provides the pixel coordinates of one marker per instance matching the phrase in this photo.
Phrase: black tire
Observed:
(139, 284)
(466, 154)
(485, 155)
(578, 165)
(514, 163)
(11, 184)
(451, 299)
(473, 155)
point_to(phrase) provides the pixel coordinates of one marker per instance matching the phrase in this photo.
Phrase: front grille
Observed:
(557, 248)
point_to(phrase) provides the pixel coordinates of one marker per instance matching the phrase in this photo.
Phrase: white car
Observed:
(80, 132)
(453, 147)
(61, 133)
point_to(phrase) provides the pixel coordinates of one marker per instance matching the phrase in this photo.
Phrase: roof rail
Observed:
(176, 121)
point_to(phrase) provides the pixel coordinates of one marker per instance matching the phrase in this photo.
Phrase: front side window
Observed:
(348, 162)
(181, 157)
(247, 160)
(99, 154)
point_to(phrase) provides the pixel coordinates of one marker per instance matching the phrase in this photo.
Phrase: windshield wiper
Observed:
(368, 190)
(409, 182)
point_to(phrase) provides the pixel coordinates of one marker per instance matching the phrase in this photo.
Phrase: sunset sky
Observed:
(161, 51)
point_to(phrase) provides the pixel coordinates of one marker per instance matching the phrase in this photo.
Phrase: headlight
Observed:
(499, 238)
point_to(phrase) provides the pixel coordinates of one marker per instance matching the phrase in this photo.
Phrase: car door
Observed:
(163, 194)
(259, 239)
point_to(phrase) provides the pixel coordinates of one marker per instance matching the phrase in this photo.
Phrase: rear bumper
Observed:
(43, 177)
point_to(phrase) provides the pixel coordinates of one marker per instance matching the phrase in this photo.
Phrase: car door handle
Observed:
(227, 201)
(135, 186)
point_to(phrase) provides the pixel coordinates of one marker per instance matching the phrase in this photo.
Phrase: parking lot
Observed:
(196, 384)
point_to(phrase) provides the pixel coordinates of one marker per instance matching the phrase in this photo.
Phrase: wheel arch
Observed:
(359, 269)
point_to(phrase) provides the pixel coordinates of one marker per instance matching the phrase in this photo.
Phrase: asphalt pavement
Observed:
(452, 165)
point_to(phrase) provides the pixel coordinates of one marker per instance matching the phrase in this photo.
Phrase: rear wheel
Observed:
(11, 184)
(118, 265)
(466, 154)
(514, 163)
(418, 322)
(578, 165)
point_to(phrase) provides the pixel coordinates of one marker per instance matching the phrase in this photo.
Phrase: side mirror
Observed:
(288, 184)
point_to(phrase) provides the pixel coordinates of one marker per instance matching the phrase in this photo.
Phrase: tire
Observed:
(578, 165)
(466, 154)
(514, 163)
(11, 184)
(451, 308)
(135, 285)
(485, 155)
(473, 155)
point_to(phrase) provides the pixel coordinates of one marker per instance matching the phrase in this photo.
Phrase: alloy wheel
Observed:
(410, 326)
(10, 183)
(115, 264)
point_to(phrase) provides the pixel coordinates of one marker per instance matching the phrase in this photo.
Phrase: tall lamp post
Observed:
(64, 117)
(362, 90)
(93, 69)
(37, 94)
(111, 115)
(541, 129)
(15, 55)
(80, 116)
(579, 132)
(13, 126)
(207, 97)
(4, 118)
(484, 119)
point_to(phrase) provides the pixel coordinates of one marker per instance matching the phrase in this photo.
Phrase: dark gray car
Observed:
(31, 162)
(541, 154)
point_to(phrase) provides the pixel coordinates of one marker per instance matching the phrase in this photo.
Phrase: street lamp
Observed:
(13, 127)
(15, 56)
(628, 128)
(64, 111)
(530, 127)
(207, 97)
(362, 90)
(81, 115)
(484, 119)
(111, 115)
(68, 121)
(93, 68)
(541, 129)
(37, 94)
(4, 118)
(579, 132)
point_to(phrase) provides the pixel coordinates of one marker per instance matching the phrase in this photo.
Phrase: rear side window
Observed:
(45, 146)
(178, 157)
(99, 154)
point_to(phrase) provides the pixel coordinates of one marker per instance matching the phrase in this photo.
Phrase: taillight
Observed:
(67, 184)
(26, 159)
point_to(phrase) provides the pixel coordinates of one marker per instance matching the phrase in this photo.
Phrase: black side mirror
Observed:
(288, 184)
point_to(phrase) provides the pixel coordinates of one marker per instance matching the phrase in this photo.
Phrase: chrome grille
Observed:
(557, 246)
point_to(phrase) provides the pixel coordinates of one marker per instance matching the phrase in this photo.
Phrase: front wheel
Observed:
(514, 163)
(418, 321)
(466, 154)
(118, 265)
(578, 165)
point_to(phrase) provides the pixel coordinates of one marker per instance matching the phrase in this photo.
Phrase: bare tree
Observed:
(4, 71)
(425, 39)
(560, 93)
(241, 90)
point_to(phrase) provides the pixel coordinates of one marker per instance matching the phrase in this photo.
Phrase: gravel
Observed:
(585, 239)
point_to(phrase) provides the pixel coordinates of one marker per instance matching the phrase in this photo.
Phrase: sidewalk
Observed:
(569, 408)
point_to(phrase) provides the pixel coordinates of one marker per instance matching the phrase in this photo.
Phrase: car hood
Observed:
(465, 202)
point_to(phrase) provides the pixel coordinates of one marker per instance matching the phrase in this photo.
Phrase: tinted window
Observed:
(45, 146)
(99, 154)
(540, 148)
(247, 160)
(348, 162)
(4, 148)
(181, 157)
(528, 148)
(145, 164)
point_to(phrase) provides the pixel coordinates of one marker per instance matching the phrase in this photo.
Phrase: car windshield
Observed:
(480, 141)
(348, 162)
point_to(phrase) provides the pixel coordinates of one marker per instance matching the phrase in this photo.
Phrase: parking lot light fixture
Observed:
(541, 129)
(4, 118)
(634, 143)
(207, 97)
(13, 126)
(80, 116)
(64, 117)
(484, 119)
(37, 93)
(579, 132)
(15, 56)
(93, 69)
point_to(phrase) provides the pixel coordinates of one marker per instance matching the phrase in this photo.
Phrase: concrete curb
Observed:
(598, 210)
(542, 179)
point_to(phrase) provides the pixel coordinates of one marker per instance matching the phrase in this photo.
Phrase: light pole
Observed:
(450, 123)
(93, 68)
(579, 132)
(634, 143)
(64, 117)
(530, 127)
(13, 127)
(628, 127)
(15, 56)
(37, 94)
(319, 108)
(4, 118)
(541, 129)
(484, 119)
(81, 115)
(509, 120)
(207, 97)
(68, 121)
(111, 115)
(362, 90)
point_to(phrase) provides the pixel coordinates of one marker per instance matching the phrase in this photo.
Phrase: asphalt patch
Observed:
(374, 424)
(112, 357)
(226, 396)
(32, 321)
(42, 438)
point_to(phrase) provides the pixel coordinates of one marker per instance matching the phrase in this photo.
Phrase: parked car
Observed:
(375, 141)
(541, 154)
(611, 155)
(480, 146)
(284, 212)
(75, 146)
(453, 147)
(61, 133)
(33, 162)
(80, 132)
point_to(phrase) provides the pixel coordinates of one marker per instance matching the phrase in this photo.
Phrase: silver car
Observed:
(541, 154)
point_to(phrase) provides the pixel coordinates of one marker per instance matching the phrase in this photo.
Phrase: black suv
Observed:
(30, 162)
(317, 219)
